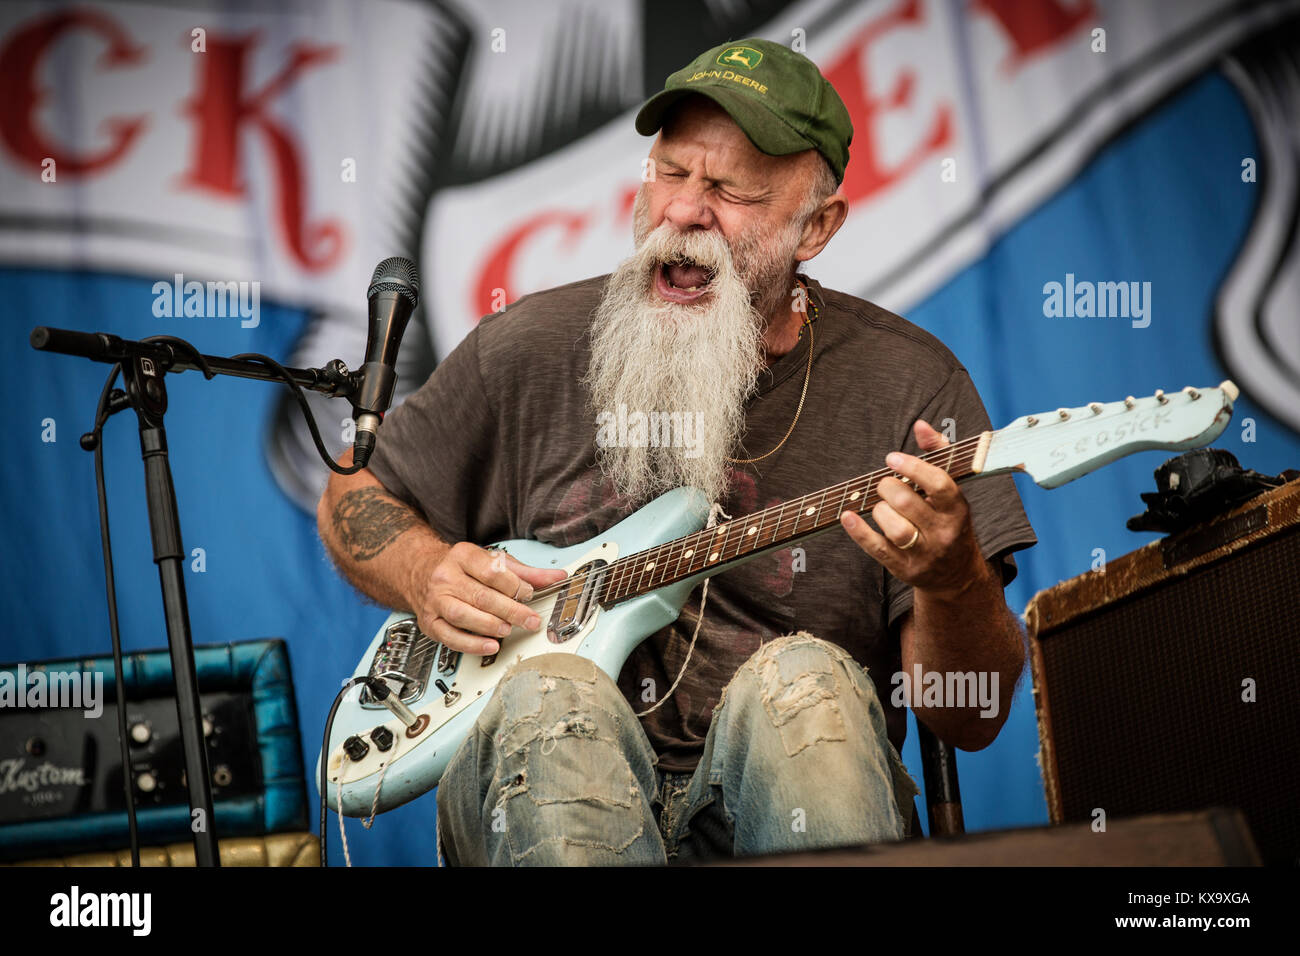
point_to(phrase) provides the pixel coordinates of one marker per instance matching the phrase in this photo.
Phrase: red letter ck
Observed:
(222, 107)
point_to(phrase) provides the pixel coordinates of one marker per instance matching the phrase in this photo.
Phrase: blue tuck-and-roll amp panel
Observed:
(60, 765)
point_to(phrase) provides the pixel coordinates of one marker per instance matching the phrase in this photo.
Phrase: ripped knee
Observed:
(797, 680)
(562, 777)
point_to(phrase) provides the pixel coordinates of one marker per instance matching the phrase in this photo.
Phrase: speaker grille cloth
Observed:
(1146, 697)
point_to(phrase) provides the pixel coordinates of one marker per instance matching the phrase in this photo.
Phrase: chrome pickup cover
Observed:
(576, 601)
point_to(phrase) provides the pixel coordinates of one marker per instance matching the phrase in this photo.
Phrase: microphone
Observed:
(393, 295)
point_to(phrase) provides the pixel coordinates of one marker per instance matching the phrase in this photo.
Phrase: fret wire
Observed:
(735, 528)
(658, 558)
(715, 548)
(738, 527)
(676, 571)
(623, 570)
(663, 561)
(640, 577)
(615, 579)
(692, 544)
(844, 497)
(650, 562)
(798, 514)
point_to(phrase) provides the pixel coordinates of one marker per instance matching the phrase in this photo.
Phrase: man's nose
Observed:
(688, 210)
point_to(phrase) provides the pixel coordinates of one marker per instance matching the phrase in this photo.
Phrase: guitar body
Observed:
(624, 585)
(604, 636)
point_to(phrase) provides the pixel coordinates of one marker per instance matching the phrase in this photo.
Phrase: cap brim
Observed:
(767, 131)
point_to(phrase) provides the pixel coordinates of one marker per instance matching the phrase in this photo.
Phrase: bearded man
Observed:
(763, 722)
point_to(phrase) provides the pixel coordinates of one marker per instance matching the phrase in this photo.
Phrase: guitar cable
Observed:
(715, 511)
(324, 786)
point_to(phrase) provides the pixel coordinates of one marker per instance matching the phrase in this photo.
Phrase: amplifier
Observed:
(1169, 680)
(61, 771)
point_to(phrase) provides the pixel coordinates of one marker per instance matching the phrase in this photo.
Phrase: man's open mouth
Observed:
(682, 280)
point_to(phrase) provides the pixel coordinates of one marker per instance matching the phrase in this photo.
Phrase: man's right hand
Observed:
(469, 598)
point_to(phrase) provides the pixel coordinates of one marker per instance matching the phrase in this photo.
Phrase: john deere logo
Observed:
(745, 56)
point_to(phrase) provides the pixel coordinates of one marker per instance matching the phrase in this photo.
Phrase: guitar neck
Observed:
(715, 549)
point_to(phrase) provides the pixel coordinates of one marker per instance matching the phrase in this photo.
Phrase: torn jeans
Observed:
(557, 770)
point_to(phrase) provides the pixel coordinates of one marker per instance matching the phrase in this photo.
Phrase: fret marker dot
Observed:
(810, 510)
(650, 565)
(854, 496)
(722, 528)
(751, 530)
(688, 552)
(713, 556)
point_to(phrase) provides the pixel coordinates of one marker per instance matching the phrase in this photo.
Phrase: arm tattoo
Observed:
(368, 520)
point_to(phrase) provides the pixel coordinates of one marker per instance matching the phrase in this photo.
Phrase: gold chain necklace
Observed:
(808, 324)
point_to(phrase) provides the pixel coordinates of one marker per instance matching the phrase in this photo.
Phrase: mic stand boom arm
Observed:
(176, 355)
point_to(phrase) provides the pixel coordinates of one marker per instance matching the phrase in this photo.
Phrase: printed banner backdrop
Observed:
(284, 149)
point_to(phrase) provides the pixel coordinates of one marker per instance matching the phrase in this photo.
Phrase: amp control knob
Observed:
(383, 738)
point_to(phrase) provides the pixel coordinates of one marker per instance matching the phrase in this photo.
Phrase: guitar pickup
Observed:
(576, 602)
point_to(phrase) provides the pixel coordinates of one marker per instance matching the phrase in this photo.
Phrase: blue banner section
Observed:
(1163, 206)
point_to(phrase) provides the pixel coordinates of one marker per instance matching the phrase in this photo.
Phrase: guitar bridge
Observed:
(408, 661)
(576, 601)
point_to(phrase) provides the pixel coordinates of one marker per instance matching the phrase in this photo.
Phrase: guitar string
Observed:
(618, 571)
(623, 568)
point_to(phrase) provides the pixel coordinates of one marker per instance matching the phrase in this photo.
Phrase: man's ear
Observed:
(823, 224)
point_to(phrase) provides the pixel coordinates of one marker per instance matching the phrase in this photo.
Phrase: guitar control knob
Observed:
(383, 738)
(355, 748)
(146, 782)
(141, 733)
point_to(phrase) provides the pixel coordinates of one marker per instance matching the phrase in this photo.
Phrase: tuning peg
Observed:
(1161, 397)
(1031, 421)
(1130, 402)
(1192, 393)
(1064, 414)
(1096, 407)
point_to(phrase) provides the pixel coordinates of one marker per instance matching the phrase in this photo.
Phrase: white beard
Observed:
(687, 368)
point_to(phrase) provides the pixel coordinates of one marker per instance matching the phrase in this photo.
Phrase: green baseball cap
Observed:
(778, 97)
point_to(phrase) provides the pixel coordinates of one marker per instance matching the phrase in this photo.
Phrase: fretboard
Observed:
(714, 549)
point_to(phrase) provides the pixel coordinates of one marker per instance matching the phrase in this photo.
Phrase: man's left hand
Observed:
(943, 556)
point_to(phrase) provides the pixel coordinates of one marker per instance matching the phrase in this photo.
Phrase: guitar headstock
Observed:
(1059, 446)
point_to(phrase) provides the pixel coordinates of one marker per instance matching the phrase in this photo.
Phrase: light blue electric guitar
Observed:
(629, 582)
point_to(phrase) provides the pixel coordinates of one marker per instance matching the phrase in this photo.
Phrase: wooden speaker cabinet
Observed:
(1170, 680)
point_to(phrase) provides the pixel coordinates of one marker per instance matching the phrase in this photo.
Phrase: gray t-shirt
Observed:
(500, 443)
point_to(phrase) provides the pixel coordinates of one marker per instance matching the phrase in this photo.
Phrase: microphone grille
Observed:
(396, 274)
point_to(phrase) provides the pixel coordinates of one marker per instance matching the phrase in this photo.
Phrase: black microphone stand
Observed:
(143, 365)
